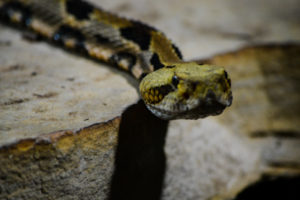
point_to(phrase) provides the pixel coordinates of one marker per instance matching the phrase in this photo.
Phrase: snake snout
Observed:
(229, 101)
(224, 94)
(210, 96)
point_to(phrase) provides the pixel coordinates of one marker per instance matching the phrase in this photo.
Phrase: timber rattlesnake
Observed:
(170, 87)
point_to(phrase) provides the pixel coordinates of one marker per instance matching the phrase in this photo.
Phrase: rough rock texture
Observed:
(60, 165)
(60, 114)
(45, 89)
(58, 124)
(58, 121)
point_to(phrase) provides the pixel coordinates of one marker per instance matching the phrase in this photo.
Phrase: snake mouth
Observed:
(209, 106)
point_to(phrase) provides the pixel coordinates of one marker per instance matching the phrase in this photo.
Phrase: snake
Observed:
(170, 87)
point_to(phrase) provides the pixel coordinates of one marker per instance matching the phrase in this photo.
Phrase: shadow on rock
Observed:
(140, 160)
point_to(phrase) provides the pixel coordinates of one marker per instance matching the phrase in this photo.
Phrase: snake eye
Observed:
(175, 81)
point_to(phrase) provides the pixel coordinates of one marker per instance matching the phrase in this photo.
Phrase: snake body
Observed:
(170, 87)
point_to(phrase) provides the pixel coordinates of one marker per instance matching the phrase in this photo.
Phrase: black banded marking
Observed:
(156, 62)
(170, 66)
(47, 11)
(102, 40)
(80, 9)
(118, 57)
(10, 8)
(177, 51)
(66, 32)
(142, 76)
(227, 78)
(138, 33)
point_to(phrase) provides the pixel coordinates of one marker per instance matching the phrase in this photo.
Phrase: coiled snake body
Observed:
(170, 87)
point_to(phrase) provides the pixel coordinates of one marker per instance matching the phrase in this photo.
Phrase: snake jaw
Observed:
(200, 91)
(193, 109)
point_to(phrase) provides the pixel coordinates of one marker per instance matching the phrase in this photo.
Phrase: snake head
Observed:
(186, 91)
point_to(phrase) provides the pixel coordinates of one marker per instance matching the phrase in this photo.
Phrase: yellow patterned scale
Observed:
(170, 87)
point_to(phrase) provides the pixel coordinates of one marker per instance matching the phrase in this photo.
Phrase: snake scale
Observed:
(170, 87)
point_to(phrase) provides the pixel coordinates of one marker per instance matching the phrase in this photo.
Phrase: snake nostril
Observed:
(186, 95)
(210, 95)
(194, 86)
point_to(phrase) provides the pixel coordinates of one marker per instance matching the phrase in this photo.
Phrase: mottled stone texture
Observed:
(60, 165)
